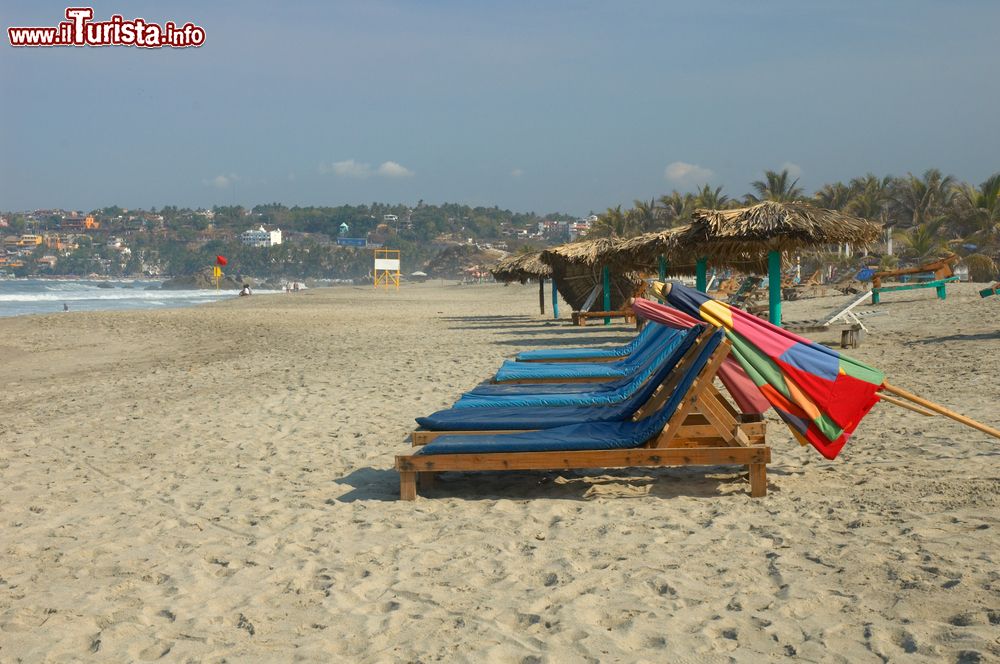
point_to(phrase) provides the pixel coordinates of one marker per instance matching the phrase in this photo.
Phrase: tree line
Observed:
(928, 214)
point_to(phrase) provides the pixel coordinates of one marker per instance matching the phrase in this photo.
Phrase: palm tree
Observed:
(919, 200)
(712, 199)
(836, 196)
(924, 240)
(645, 217)
(981, 207)
(776, 187)
(612, 223)
(677, 207)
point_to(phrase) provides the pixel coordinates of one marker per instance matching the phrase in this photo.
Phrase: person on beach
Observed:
(246, 290)
(65, 307)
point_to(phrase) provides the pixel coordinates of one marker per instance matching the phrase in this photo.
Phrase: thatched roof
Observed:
(521, 267)
(576, 269)
(773, 226)
(587, 252)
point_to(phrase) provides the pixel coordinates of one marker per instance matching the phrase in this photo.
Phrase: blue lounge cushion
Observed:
(486, 419)
(543, 354)
(582, 436)
(512, 370)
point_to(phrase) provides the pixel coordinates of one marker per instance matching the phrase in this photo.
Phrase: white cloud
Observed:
(516, 173)
(349, 168)
(681, 172)
(222, 181)
(391, 169)
(794, 170)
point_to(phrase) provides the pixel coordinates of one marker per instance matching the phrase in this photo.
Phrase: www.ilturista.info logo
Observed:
(79, 30)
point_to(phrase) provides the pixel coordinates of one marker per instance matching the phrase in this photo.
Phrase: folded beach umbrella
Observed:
(740, 387)
(821, 394)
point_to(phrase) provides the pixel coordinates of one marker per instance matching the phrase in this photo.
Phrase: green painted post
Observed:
(555, 300)
(774, 286)
(701, 275)
(606, 277)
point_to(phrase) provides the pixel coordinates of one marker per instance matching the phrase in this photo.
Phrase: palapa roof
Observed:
(773, 226)
(576, 270)
(641, 254)
(521, 267)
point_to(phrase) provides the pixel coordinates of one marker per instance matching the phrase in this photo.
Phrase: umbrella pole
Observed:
(941, 410)
(701, 275)
(774, 287)
(663, 270)
(606, 278)
(541, 294)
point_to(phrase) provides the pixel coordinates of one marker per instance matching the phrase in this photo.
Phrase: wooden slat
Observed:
(638, 457)
(424, 437)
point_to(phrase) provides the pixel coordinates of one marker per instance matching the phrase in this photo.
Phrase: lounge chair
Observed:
(843, 317)
(588, 354)
(564, 372)
(941, 271)
(653, 438)
(671, 345)
(549, 410)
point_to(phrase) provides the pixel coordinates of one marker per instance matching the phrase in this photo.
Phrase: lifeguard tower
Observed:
(387, 268)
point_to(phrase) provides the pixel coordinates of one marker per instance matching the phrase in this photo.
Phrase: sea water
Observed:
(45, 296)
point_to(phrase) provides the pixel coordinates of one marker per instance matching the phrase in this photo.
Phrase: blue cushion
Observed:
(486, 419)
(543, 354)
(584, 436)
(512, 370)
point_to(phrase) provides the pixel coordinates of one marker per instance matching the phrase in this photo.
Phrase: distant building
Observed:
(77, 223)
(261, 237)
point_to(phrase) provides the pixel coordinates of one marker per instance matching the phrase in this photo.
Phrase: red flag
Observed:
(221, 260)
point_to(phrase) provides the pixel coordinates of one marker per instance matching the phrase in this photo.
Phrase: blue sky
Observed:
(543, 106)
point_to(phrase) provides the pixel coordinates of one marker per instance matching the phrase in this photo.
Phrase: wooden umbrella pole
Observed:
(930, 405)
(906, 404)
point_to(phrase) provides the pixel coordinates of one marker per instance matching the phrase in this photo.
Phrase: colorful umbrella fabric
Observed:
(821, 394)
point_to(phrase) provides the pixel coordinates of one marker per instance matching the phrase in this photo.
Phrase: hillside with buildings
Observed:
(266, 241)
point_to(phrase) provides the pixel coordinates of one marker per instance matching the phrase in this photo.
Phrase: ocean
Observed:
(46, 296)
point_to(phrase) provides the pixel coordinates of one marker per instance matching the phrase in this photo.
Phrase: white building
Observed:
(261, 237)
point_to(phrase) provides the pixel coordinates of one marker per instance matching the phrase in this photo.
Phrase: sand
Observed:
(216, 483)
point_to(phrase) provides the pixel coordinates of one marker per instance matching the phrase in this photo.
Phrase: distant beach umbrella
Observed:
(221, 260)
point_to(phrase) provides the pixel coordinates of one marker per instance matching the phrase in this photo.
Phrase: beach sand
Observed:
(215, 483)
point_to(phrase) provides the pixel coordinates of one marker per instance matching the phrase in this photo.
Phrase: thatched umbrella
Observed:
(579, 267)
(660, 249)
(768, 229)
(523, 267)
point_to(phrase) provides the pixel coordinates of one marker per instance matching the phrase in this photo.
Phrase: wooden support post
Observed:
(541, 295)
(701, 274)
(663, 272)
(758, 480)
(606, 278)
(407, 485)
(774, 287)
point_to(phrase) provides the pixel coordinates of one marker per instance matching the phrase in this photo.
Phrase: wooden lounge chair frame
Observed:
(844, 317)
(702, 431)
(941, 269)
(581, 317)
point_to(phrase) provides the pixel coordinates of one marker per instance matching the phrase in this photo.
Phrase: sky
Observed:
(531, 106)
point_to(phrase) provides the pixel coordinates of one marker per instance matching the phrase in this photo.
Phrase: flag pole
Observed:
(930, 405)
